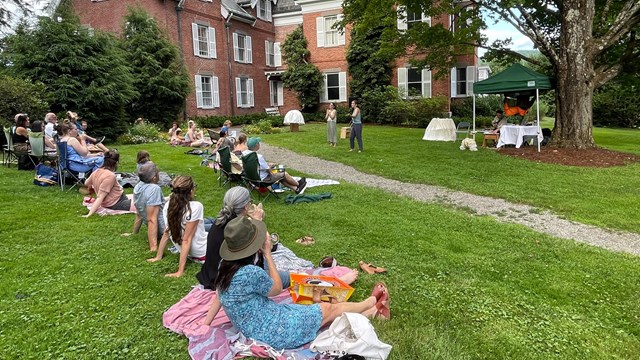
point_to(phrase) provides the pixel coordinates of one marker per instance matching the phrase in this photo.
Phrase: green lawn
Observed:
(462, 287)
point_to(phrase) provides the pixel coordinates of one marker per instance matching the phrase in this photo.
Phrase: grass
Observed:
(599, 196)
(462, 286)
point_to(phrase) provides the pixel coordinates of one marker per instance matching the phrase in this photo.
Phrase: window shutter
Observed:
(341, 39)
(250, 92)
(216, 92)
(323, 93)
(276, 54)
(238, 95)
(320, 31)
(471, 78)
(402, 18)
(268, 4)
(266, 53)
(280, 89)
(236, 51)
(426, 19)
(453, 82)
(196, 43)
(426, 83)
(342, 81)
(402, 82)
(199, 102)
(212, 43)
(247, 43)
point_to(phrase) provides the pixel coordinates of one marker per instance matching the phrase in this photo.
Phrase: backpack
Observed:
(45, 176)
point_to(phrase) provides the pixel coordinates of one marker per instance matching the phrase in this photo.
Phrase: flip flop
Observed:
(366, 268)
(377, 269)
(328, 262)
(381, 294)
(305, 240)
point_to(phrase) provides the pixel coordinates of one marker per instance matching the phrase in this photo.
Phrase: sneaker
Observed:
(100, 141)
(302, 183)
(350, 150)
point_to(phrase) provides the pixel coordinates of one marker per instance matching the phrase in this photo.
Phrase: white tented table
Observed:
(513, 134)
(440, 130)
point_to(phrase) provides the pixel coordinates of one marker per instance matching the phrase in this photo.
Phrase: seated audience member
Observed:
(240, 144)
(108, 190)
(224, 141)
(244, 291)
(226, 126)
(185, 224)
(49, 144)
(142, 158)
(253, 145)
(51, 121)
(498, 121)
(20, 134)
(80, 159)
(149, 202)
(194, 136)
(94, 145)
(173, 129)
(177, 138)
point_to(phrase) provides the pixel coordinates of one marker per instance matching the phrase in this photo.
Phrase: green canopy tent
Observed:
(515, 79)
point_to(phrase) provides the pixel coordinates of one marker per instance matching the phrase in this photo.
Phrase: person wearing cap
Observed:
(244, 289)
(264, 167)
(498, 121)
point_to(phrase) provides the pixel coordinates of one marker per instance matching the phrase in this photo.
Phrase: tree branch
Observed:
(605, 12)
(605, 73)
(538, 38)
(509, 52)
(628, 17)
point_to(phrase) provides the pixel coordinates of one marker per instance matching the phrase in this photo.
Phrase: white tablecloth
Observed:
(440, 130)
(293, 117)
(513, 134)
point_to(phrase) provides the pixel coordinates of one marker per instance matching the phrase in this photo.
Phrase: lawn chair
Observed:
(252, 177)
(37, 154)
(463, 128)
(226, 170)
(214, 136)
(64, 171)
(8, 155)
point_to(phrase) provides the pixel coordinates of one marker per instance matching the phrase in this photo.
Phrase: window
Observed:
(264, 10)
(207, 92)
(462, 79)
(414, 82)
(244, 92)
(327, 35)
(408, 19)
(276, 92)
(272, 53)
(335, 87)
(242, 48)
(204, 41)
(461, 20)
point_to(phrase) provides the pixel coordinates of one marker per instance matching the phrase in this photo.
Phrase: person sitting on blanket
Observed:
(104, 183)
(80, 159)
(177, 138)
(194, 137)
(253, 145)
(244, 290)
(142, 158)
(149, 202)
(186, 225)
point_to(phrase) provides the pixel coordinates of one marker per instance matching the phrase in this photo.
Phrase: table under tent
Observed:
(517, 82)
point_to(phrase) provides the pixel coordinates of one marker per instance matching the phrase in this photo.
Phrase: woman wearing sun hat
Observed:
(244, 290)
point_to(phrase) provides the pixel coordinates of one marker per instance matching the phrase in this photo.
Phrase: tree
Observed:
(82, 70)
(159, 75)
(21, 96)
(587, 42)
(301, 76)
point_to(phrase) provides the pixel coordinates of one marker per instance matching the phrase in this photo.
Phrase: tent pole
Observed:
(538, 111)
(474, 116)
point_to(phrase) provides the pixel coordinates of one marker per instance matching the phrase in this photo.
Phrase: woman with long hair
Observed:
(185, 224)
(332, 127)
(244, 290)
(108, 190)
(80, 159)
(356, 126)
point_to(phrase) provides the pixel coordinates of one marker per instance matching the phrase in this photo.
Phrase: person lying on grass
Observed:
(149, 202)
(108, 190)
(244, 290)
(185, 224)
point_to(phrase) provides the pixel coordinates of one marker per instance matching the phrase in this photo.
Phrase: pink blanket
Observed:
(102, 211)
(222, 340)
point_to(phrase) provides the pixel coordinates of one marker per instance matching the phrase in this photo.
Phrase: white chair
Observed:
(463, 128)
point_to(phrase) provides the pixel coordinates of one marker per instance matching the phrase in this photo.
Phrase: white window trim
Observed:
(471, 74)
(403, 83)
(268, 47)
(248, 54)
(342, 87)
(277, 55)
(321, 32)
(279, 89)
(215, 92)
(211, 41)
(402, 19)
(250, 101)
(268, 16)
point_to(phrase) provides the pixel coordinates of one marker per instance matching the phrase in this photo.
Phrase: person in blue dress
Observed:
(244, 290)
(80, 159)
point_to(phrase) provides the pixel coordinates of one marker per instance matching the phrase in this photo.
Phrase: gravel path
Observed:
(503, 211)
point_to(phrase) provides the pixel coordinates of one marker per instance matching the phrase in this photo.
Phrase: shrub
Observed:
(140, 134)
(429, 108)
(398, 112)
(260, 127)
(486, 105)
(375, 100)
(21, 96)
(616, 105)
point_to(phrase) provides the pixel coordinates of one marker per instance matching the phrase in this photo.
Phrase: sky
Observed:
(504, 30)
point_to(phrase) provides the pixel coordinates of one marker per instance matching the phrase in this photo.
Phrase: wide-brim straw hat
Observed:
(243, 237)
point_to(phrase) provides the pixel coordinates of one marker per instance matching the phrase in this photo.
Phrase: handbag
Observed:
(45, 175)
(353, 334)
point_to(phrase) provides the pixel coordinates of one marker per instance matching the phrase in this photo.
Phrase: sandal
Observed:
(381, 294)
(366, 268)
(306, 240)
(328, 262)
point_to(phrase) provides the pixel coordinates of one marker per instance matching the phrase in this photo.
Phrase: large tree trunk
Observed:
(575, 74)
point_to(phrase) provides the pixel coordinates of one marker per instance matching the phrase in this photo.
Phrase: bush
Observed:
(21, 96)
(398, 112)
(375, 100)
(429, 108)
(616, 105)
(482, 122)
(260, 127)
(140, 134)
(216, 121)
(486, 105)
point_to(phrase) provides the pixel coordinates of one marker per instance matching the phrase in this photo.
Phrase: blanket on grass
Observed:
(102, 211)
(222, 340)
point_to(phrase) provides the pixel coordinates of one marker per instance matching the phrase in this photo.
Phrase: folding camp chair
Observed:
(64, 171)
(463, 128)
(37, 153)
(8, 155)
(226, 170)
(215, 136)
(252, 178)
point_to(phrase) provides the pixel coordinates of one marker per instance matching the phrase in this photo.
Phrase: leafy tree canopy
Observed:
(301, 76)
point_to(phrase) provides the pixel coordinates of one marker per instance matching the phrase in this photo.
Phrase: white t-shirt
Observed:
(199, 241)
(49, 130)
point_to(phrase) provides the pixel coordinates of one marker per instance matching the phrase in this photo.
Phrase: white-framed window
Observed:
(264, 10)
(326, 34)
(483, 72)
(204, 41)
(407, 19)
(335, 87)
(207, 92)
(457, 23)
(414, 82)
(276, 93)
(462, 79)
(272, 53)
(242, 48)
(244, 92)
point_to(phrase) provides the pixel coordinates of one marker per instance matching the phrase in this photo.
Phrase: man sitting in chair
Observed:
(253, 145)
(499, 121)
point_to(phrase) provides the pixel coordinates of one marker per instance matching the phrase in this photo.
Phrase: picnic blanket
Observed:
(130, 180)
(302, 198)
(222, 340)
(102, 211)
(317, 182)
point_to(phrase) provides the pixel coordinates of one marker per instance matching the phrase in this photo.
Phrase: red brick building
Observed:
(231, 49)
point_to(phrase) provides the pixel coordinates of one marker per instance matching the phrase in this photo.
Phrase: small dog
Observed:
(470, 144)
